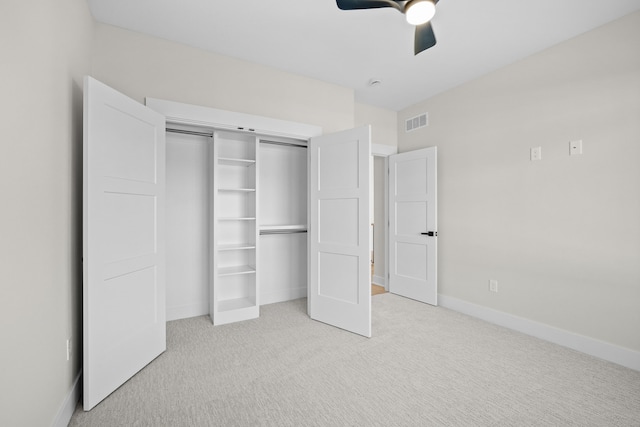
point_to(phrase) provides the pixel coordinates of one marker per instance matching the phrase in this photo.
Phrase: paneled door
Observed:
(123, 239)
(339, 267)
(413, 225)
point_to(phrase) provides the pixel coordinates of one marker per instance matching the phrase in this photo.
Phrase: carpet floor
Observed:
(424, 366)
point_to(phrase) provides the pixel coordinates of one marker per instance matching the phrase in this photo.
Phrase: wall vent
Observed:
(416, 122)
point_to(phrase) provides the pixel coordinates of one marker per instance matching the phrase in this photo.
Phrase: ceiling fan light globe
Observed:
(420, 11)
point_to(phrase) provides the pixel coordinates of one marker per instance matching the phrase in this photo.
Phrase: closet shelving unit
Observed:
(234, 234)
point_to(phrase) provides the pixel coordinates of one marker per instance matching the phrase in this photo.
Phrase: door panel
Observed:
(123, 233)
(339, 267)
(411, 218)
(338, 274)
(338, 221)
(412, 212)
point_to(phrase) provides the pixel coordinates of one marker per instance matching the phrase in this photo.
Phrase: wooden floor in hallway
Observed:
(375, 289)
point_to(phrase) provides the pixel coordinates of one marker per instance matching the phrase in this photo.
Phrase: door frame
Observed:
(384, 151)
(195, 115)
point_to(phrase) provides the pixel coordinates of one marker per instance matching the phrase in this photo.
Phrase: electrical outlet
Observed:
(68, 349)
(493, 285)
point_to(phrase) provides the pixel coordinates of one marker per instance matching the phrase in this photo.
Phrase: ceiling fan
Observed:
(417, 12)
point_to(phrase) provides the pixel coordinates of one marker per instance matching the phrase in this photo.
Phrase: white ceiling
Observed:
(349, 48)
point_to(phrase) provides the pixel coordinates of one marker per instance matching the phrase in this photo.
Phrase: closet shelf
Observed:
(235, 218)
(239, 190)
(235, 270)
(236, 247)
(235, 304)
(235, 162)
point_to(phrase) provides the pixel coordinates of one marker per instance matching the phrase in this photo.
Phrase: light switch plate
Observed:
(536, 153)
(575, 147)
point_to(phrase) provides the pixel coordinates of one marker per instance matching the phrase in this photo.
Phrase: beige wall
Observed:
(384, 123)
(45, 49)
(561, 235)
(141, 66)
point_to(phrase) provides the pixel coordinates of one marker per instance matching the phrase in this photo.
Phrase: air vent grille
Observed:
(417, 122)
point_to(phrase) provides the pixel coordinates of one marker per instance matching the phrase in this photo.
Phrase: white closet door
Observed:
(339, 268)
(123, 233)
(413, 225)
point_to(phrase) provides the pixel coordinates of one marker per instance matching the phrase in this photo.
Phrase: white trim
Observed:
(383, 150)
(378, 280)
(188, 114)
(591, 346)
(65, 412)
(188, 310)
(283, 295)
(385, 279)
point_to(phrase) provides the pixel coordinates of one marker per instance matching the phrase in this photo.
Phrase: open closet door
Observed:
(123, 239)
(339, 267)
(413, 225)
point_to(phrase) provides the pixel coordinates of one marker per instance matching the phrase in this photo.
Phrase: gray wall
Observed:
(46, 48)
(561, 235)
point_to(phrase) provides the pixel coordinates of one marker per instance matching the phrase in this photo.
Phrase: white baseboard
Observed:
(283, 295)
(202, 309)
(69, 405)
(186, 311)
(378, 280)
(591, 346)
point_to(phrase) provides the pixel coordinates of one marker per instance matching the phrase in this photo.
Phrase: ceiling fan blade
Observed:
(424, 39)
(366, 4)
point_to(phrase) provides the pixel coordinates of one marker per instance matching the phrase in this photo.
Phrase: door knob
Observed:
(430, 233)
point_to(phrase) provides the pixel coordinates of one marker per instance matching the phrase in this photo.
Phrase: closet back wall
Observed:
(142, 66)
(187, 225)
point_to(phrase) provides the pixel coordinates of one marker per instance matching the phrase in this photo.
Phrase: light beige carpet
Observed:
(424, 366)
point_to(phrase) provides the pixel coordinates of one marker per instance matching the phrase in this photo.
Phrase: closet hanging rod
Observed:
(210, 135)
(264, 141)
(191, 132)
(262, 232)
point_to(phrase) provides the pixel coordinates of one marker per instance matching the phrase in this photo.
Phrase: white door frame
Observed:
(384, 151)
(194, 115)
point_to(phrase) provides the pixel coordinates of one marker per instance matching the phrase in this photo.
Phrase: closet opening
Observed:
(187, 223)
(236, 220)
